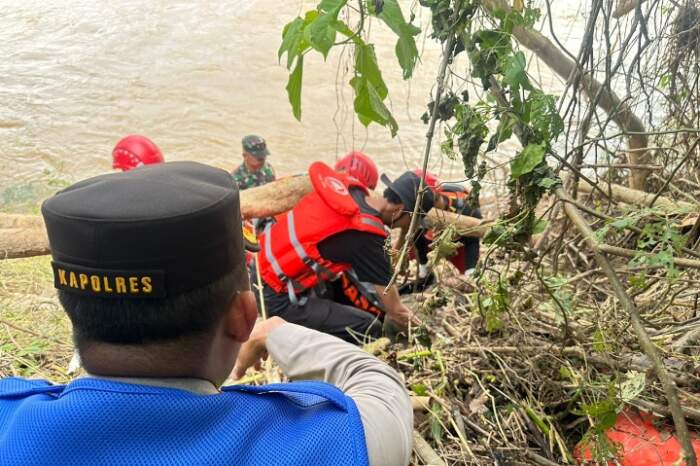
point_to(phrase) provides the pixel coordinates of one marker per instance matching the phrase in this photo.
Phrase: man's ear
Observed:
(241, 316)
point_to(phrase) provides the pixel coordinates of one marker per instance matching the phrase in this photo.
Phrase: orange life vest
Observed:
(289, 257)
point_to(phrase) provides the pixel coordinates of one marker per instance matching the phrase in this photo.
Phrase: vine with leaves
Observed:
(514, 101)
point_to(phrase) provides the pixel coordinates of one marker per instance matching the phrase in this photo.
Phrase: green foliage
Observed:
(318, 30)
(370, 89)
(492, 302)
(406, 50)
(526, 161)
(294, 87)
(658, 243)
(518, 106)
(562, 300)
(610, 395)
(444, 245)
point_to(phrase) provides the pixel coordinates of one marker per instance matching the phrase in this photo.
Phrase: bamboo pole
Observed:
(669, 387)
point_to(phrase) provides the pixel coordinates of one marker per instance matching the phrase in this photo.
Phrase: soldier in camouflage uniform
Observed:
(254, 171)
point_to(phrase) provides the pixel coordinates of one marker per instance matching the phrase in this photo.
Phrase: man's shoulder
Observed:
(240, 170)
(14, 383)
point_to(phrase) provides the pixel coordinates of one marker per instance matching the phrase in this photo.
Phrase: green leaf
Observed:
(539, 422)
(436, 431)
(514, 74)
(547, 183)
(565, 373)
(623, 223)
(633, 386)
(321, 32)
(541, 111)
(539, 226)
(369, 106)
(527, 160)
(366, 67)
(406, 50)
(407, 53)
(599, 343)
(505, 127)
(370, 89)
(331, 5)
(294, 88)
(419, 389)
(292, 39)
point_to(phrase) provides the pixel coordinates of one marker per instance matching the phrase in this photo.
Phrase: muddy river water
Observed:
(195, 77)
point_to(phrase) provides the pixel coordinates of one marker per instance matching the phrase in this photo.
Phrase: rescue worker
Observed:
(336, 228)
(160, 303)
(360, 166)
(133, 151)
(255, 170)
(453, 198)
(348, 289)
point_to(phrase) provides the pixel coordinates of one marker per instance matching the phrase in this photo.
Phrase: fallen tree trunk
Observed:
(566, 68)
(624, 7)
(634, 196)
(25, 235)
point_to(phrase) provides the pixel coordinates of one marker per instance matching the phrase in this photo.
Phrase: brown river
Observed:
(195, 77)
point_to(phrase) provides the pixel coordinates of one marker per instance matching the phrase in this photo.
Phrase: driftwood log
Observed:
(25, 235)
(633, 196)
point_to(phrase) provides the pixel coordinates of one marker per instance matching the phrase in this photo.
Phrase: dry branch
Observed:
(425, 452)
(622, 252)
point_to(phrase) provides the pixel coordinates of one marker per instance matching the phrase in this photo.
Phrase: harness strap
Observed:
(278, 270)
(317, 268)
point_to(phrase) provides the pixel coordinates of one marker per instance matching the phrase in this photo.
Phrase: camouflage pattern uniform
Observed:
(245, 178)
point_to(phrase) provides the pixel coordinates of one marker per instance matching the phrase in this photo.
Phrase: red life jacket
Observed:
(289, 257)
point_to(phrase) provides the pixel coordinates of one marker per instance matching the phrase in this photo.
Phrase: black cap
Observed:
(406, 188)
(155, 231)
(255, 146)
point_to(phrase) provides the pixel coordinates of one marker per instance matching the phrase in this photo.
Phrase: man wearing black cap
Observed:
(255, 170)
(149, 266)
(337, 231)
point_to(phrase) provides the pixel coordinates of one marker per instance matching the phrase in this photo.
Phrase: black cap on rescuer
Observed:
(156, 231)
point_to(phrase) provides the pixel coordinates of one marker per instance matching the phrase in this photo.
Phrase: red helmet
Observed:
(430, 179)
(134, 151)
(360, 166)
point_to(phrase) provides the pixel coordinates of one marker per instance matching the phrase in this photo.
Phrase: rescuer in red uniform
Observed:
(453, 198)
(336, 228)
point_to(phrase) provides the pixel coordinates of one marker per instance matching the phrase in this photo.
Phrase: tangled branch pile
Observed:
(535, 357)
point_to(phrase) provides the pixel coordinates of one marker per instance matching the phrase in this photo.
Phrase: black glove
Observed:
(417, 286)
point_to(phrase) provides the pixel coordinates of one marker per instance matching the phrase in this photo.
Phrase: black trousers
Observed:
(345, 322)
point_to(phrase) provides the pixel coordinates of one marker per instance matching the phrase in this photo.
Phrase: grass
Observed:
(35, 335)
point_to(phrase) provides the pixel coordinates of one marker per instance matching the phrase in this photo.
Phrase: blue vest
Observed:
(100, 422)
